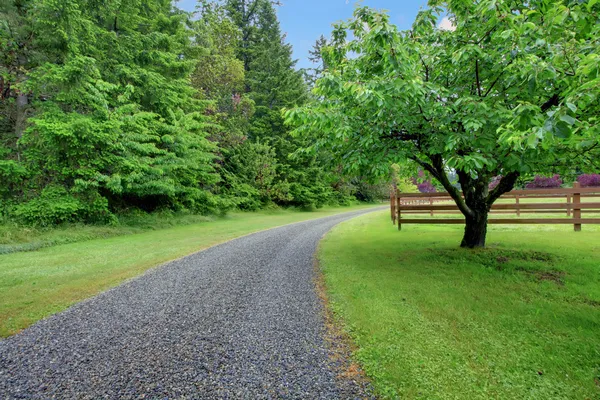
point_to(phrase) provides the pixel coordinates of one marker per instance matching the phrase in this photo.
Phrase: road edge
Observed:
(340, 344)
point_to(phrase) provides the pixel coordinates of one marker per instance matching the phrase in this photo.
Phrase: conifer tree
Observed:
(113, 120)
(273, 82)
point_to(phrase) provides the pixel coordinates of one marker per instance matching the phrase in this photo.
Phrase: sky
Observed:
(303, 21)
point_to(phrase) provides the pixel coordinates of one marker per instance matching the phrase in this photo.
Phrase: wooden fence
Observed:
(569, 202)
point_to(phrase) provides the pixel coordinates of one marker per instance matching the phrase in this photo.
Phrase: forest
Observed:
(112, 106)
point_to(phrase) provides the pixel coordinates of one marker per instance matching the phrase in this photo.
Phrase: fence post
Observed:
(569, 205)
(518, 203)
(393, 206)
(431, 205)
(577, 206)
(399, 210)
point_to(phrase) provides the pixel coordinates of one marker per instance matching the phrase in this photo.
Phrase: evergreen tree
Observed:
(316, 57)
(114, 121)
(273, 83)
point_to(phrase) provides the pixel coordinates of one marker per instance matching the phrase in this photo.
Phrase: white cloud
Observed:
(446, 25)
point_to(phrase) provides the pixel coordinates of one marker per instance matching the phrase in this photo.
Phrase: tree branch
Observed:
(402, 135)
(506, 184)
(436, 168)
(486, 35)
(426, 68)
(497, 78)
(552, 102)
(423, 114)
(477, 77)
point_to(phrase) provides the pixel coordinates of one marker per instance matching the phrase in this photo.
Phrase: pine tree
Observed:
(273, 83)
(316, 57)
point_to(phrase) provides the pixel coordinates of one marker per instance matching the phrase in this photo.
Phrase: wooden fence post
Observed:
(577, 206)
(399, 210)
(518, 205)
(431, 205)
(393, 206)
(569, 202)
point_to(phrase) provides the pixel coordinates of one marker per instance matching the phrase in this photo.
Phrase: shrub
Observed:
(402, 183)
(56, 205)
(541, 182)
(407, 186)
(589, 180)
(370, 193)
(426, 187)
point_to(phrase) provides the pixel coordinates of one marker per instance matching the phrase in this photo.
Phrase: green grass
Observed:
(519, 320)
(15, 237)
(35, 284)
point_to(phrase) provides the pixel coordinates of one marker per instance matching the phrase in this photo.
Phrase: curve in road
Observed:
(238, 320)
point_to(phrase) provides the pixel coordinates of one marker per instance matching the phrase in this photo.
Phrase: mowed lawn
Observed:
(36, 284)
(519, 320)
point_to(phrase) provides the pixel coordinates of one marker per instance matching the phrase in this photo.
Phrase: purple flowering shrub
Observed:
(542, 182)
(426, 187)
(589, 180)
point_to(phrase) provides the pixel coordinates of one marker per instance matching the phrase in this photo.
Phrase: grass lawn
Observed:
(519, 320)
(36, 284)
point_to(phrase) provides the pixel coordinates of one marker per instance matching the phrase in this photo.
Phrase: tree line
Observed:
(110, 105)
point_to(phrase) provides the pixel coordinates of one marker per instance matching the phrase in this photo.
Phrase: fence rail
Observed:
(569, 203)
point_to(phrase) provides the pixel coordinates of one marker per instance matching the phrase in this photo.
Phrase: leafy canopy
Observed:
(512, 89)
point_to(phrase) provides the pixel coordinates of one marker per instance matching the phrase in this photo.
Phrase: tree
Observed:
(315, 56)
(512, 89)
(271, 82)
(112, 120)
(219, 74)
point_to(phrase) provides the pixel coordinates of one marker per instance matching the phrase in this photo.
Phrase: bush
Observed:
(402, 183)
(11, 176)
(541, 182)
(56, 205)
(370, 193)
(426, 187)
(589, 180)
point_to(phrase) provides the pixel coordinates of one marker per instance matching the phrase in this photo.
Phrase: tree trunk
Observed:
(475, 230)
(21, 114)
(476, 194)
(20, 119)
(476, 200)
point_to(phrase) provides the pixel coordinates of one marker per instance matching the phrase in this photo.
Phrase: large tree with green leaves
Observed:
(511, 88)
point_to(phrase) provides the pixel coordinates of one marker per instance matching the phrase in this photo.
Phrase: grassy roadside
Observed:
(15, 238)
(517, 320)
(36, 284)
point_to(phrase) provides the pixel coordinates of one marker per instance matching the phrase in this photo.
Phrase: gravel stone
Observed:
(240, 320)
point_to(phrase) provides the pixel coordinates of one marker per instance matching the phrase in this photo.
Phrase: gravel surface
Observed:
(240, 320)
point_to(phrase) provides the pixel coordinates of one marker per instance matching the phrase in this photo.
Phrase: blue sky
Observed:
(305, 20)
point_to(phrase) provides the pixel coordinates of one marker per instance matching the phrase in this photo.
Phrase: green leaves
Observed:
(112, 111)
(509, 90)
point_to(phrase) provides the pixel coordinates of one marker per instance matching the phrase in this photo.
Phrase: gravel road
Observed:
(240, 320)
